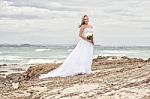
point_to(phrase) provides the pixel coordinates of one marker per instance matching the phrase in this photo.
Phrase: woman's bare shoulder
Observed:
(83, 26)
(91, 26)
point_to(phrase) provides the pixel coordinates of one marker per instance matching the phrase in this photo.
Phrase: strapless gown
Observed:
(79, 61)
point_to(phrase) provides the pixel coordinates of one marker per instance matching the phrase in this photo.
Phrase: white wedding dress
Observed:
(79, 60)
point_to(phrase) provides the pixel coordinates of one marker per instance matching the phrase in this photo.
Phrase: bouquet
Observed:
(90, 36)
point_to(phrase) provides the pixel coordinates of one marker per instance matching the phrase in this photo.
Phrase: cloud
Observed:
(116, 10)
(29, 10)
(40, 18)
(46, 4)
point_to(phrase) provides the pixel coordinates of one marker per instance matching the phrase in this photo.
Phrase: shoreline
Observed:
(112, 77)
(20, 68)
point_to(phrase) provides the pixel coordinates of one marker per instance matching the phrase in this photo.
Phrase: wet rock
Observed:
(138, 60)
(3, 71)
(125, 57)
(107, 57)
(148, 60)
(132, 59)
(17, 69)
(2, 74)
(100, 57)
(3, 65)
(114, 57)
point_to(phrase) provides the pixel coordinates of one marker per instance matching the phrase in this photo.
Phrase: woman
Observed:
(80, 59)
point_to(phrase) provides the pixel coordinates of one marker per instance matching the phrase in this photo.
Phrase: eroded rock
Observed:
(34, 71)
(5, 85)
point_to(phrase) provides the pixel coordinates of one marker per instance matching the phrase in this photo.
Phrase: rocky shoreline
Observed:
(112, 78)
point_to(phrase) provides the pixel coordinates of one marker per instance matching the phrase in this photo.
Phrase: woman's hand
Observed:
(91, 41)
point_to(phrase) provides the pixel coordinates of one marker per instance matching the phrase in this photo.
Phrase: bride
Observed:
(80, 59)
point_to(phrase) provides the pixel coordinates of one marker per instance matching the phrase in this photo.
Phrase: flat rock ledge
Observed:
(112, 78)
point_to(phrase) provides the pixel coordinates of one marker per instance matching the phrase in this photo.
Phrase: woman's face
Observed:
(86, 20)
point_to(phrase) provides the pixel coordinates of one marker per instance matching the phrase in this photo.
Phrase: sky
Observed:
(115, 22)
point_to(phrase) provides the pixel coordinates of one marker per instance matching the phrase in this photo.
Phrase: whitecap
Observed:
(115, 51)
(41, 50)
(11, 58)
(41, 61)
(69, 50)
(118, 55)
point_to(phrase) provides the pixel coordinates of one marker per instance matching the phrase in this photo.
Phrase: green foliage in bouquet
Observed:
(90, 36)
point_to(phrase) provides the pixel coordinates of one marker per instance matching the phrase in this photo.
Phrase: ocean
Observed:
(58, 53)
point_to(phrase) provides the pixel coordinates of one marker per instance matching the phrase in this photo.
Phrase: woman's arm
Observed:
(82, 36)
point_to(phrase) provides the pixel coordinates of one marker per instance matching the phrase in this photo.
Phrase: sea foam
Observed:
(42, 61)
(41, 50)
(10, 58)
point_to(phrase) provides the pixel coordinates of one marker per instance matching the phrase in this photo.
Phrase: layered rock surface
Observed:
(112, 78)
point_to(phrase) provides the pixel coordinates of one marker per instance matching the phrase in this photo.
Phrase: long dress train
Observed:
(78, 61)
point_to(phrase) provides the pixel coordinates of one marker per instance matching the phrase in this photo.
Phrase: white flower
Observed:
(89, 34)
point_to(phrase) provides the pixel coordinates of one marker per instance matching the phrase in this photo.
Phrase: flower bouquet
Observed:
(90, 36)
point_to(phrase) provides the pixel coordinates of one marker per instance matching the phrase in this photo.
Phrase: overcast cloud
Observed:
(116, 22)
